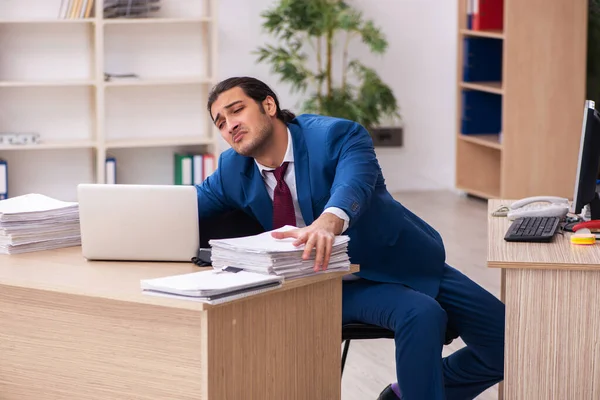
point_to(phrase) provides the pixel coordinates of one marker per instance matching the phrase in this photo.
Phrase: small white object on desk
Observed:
(212, 286)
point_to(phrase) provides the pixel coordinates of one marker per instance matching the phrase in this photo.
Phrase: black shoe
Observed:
(387, 394)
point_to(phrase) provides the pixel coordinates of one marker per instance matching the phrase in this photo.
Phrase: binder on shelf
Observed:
(193, 169)
(489, 15)
(481, 113)
(209, 165)
(470, 7)
(198, 173)
(482, 60)
(3, 180)
(474, 12)
(111, 170)
(184, 173)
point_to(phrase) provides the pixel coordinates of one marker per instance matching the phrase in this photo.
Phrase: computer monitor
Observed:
(588, 165)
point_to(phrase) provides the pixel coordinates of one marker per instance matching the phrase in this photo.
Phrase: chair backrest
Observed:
(228, 225)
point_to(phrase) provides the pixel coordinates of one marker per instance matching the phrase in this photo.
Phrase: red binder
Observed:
(489, 15)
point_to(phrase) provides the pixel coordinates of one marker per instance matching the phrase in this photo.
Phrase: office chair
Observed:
(231, 224)
(357, 331)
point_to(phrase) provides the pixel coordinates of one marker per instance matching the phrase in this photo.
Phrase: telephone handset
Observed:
(539, 206)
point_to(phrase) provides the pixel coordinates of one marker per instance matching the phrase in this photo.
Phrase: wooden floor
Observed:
(462, 222)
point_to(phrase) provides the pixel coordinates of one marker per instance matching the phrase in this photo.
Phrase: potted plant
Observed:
(305, 27)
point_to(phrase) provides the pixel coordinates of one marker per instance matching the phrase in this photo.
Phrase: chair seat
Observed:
(365, 331)
(357, 331)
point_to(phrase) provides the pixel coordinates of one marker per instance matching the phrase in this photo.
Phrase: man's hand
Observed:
(319, 235)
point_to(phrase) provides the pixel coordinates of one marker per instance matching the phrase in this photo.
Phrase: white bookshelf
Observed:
(52, 82)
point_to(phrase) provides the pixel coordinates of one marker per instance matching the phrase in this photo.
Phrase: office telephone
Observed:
(538, 206)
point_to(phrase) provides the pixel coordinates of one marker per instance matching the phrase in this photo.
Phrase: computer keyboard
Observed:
(532, 229)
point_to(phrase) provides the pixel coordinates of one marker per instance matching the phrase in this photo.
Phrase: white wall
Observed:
(419, 65)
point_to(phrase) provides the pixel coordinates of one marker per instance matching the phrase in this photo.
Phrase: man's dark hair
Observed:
(253, 88)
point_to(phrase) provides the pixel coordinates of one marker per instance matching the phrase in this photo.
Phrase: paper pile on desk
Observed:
(35, 222)
(264, 254)
(211, 286)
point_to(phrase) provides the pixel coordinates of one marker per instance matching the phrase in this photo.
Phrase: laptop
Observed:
(138, 222)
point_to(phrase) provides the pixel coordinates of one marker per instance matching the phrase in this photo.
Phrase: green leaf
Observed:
(373, 37)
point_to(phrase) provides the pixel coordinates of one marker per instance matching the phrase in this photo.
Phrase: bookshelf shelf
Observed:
(158, 142)
(539, 74)
(134, 21)
(485, 177)
(49, 21)
(83, 144)
(492, 141)
(488, 87)
(57, 83)
(492, 34)
(159, 82)
(52, 82)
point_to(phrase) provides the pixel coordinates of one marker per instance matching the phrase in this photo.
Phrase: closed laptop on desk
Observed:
(138, 222)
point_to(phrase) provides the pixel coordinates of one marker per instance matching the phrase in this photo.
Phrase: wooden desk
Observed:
(552, 297)
(73, 329)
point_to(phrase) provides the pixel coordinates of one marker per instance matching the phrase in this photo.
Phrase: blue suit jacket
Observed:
(336, 166)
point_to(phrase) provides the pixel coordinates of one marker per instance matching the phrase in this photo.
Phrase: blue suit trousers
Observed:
(420, 322)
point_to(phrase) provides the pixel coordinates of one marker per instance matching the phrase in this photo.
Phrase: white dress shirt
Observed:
(290, 180)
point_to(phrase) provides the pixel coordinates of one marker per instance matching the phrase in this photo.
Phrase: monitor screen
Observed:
(588, 165)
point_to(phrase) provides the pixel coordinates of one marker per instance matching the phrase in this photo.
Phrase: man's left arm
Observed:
(356, 174)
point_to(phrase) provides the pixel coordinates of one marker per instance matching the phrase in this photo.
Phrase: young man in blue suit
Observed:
(321, 175)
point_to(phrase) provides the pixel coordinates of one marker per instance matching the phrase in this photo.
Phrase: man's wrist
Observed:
(338, 212)
(332, 223)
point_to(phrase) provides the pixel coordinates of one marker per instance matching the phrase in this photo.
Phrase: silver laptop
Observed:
(138, 222)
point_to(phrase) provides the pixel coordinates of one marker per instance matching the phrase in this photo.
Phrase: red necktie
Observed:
(283, 205)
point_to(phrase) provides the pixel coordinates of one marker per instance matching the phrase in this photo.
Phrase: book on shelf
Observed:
(76, 9)
(481, 113)
(482, 59)
(110, 170)
(470, 7)
(131, 8)
(485, 14)
(193, 169)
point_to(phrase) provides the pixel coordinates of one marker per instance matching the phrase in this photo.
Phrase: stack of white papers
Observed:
(264, 254)
(36, 222)
(211, 286)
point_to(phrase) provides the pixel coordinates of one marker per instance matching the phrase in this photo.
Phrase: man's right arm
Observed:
(211, 195)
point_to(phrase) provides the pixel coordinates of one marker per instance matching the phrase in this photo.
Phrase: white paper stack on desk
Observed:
(35, 222)
(211, 286)
(264, 254)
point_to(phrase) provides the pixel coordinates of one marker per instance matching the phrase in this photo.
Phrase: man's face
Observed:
(243, 123)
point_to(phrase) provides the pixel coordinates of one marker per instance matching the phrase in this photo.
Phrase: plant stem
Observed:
(319, 72)
(329, 61)
(345, 62)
